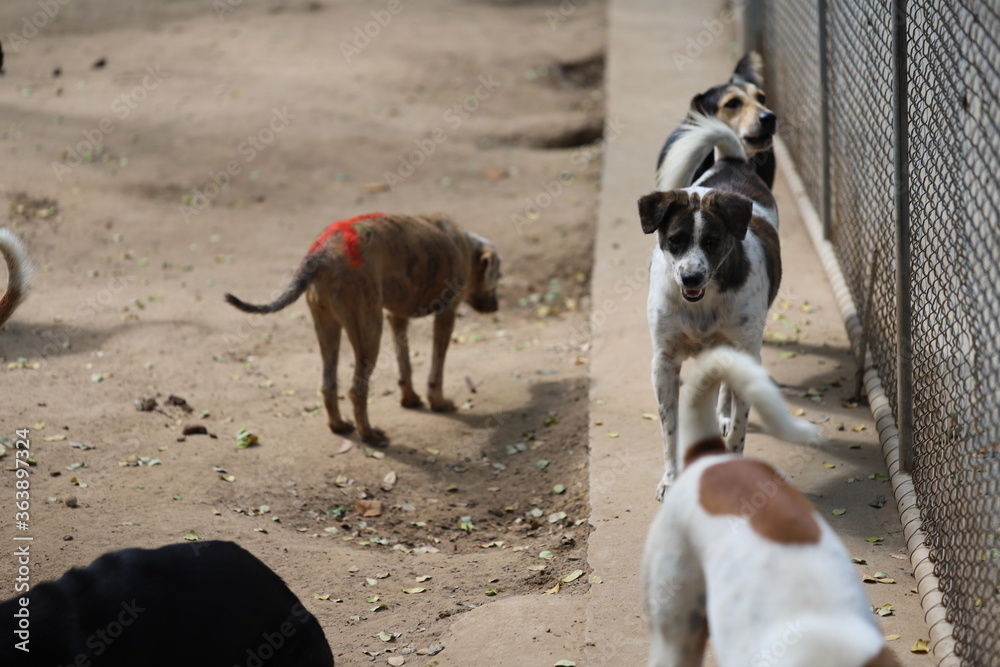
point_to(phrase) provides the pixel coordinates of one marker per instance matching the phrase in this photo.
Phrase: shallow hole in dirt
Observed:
(583, 73)
(576, 135)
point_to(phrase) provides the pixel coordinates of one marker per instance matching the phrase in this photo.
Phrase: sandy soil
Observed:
(157, 155)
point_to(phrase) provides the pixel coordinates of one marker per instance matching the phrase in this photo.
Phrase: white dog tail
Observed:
(698, 136)
(19, 270)
(698, 422)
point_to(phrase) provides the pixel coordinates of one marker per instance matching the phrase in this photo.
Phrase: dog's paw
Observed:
(375, 437)
(725, 425)
(665, 483)
(412, 401)
(442, 405)
(341, 428)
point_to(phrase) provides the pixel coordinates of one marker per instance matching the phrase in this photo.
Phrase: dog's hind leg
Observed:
(675, 595)
(328, 334)
(399, 324)
(737, 435)
(365, 333)
(444, 323)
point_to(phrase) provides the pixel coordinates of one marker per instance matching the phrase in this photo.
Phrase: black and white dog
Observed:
(210, 604)
(715, 269)
(740, 104)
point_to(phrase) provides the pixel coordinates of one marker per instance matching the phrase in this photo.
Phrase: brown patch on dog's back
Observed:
(705, 447)
(768, 236)
(755, 491)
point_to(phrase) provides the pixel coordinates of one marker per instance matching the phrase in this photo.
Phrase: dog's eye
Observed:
(675, 243)
(710, 241)
(734, 103)
(762, 98)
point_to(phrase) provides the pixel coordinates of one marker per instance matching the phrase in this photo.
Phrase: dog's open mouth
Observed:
(693, 295)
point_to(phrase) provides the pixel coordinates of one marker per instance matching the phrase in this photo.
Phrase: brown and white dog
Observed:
(409, 266)
(737, 551)
(740, 104)
(714, 272)
(19, 270)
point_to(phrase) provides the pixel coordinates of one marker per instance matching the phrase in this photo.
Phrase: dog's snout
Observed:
(768, 121)
(692, 280)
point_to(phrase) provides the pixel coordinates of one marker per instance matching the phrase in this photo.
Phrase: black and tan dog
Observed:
(197, 603)
(740, 104)
(408, 266)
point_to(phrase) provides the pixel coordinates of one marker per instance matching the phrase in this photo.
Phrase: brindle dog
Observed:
(408, 266)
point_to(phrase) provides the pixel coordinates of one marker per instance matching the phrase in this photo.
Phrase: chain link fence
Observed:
(844, 146)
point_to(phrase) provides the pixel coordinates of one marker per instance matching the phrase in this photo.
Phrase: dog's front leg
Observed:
(666, 383)
(444, 323)
(740, 409)
(724, 411)
(410, 399)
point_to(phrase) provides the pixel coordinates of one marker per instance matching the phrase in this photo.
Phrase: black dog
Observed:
(740, 105)
(182, 605)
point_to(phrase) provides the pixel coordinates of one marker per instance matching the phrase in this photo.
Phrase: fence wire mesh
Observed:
(953, 97)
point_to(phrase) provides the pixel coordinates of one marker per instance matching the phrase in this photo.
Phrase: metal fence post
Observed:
(753, 25)
(901, 170)
(824, 120)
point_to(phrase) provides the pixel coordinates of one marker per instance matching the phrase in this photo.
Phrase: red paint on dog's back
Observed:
(350, 233)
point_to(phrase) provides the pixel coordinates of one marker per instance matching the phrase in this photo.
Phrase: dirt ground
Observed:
(157, 155)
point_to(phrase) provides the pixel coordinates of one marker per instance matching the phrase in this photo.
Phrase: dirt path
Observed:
(203, 157)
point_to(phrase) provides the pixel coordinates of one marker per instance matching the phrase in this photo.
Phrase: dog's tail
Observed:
(300, 281)
(698, 137)
(699, 426)
(19, 270)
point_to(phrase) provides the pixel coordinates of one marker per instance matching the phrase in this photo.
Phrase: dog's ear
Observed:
(734, 210)
(750, 69)
(489, 262)
(657, 208)
(699, 105)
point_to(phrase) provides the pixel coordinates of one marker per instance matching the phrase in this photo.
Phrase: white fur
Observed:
(680, 328)
(768, 603)
(19, 269)
(699, 135)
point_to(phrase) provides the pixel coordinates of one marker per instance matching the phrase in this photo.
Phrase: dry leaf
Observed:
(572, 576)
(920, 647)
(368, 508)
(345, 446)
(553, 590)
